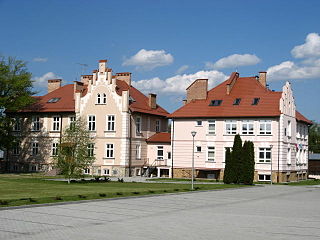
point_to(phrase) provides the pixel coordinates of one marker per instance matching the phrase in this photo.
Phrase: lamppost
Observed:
(271, 163)
(193, 133)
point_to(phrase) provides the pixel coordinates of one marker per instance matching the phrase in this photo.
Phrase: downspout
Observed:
(130, 142)
(278, 175)
(172, 141)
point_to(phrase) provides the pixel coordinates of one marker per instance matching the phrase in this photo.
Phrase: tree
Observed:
(227, 170)
(246, 174)
(314, 138)
(73, 155)
(236, 159)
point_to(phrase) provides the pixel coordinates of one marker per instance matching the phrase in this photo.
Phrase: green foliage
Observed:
(15, 94)
(227, 170)
(236, 159)
(314, 138)
(73, 155)
(247, 169)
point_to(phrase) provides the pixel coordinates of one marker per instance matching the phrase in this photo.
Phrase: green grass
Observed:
(305, 182)
(181, 180)
(18, 190)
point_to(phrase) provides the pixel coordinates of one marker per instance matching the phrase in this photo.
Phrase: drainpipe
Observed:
(278, 175)
(130, 141)
(172, 147)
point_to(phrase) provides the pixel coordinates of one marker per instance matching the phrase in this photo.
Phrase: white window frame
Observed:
(98, 101)
(199, 123)
(109, 150)
(263, 127)
(211, 149)
(111, 123)
(138, 151)
(104, 98)
(289, 156)
(34, 148)
(231, 127)
(198, 149)
(35, 127)
(90, 149)
(86, 171)
(106, 171)
(72, 120)
(212, 125)
(264, 176)
(158, 125)
(289, 132)
(92, 122)
(54, 150)
(17, 124)
(138, 124)
(160, 150)
(249, 125)
(264, 151)
(56, 123)
(16, 149)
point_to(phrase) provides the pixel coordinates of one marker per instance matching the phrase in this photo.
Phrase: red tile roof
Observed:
(161, 137)
(246, 88)
(141, 102)
(64, 104)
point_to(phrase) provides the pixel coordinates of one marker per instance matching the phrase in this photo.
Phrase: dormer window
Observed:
(98, 98)
(255, 101)
(237, 101)
(215, 103)
(53, 100)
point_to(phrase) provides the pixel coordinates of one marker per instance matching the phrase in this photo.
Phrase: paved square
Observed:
(263, 212)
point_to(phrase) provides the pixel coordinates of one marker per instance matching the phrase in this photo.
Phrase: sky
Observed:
(169, 44)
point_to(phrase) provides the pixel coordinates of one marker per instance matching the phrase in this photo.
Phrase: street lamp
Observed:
(193, 133)
(271, 163)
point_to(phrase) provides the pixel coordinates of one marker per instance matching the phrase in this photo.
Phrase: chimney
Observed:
(153, 100)
(86, 78)
(197, 90)
(263, 78)
(53, 84)
(231, 81)
(184, 101)
(102, 65)
(124, 76)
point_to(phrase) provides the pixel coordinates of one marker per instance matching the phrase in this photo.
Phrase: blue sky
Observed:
(168, 44)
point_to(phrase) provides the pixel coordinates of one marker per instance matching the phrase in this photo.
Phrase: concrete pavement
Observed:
(264, 212)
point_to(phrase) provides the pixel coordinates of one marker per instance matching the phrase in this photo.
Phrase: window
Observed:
(265, 127)
(98, 98)
(169, 155)
(237, 101)
(53, 100)
(255, 101)
(138, 151)
(211, 127)
(86, 171)
(198, 148)
(138, 124)
(54, 149)
(109, 150)
(34, 168)
(199, 123)
(56, 124)
(231, 127)
(106, 171)
(289, 156)
(247, 127)
(17, 124)
(264, 178)
(289, 128)
(35, 125)
(35, 148)
(264, 155)
(104, 99)
(16, 148)
(157, 125)
(72, 122)
(111, 123)
(92, 123)
(160, 152)
(215, 103)
(90, 150)
(210, 154)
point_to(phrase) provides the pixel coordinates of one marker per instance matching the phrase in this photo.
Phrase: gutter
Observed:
(278, 175)
(172, 142)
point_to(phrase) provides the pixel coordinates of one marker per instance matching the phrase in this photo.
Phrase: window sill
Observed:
(211, 134)
(92, 131)
(232, 134)
(109, 131)
(198, 125)
(100, 104)
(54, 131)
(210, 162)
(264, 134)
(263, 162)
(109, 158)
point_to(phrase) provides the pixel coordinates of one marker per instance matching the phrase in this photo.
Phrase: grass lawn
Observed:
(18, 190)
(182, 180)
(305, 182)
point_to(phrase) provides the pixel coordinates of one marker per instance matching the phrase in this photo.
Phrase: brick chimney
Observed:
(124, 76)
(231, 81)
(153, 100)
(53, 84)
(197, 90)
(263, 78)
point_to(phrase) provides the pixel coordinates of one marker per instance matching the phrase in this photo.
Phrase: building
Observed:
(245, 106)
(314, 164)
(118, 115)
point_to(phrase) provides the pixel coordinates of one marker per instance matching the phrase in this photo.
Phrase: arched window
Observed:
(98, 98)
(104, 98)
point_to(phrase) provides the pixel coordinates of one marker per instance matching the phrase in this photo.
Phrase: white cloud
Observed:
(43, 80)
(182, 69)
(311, 47)
(235, 60)
(179, 83)
(149, 59)
(39, 59)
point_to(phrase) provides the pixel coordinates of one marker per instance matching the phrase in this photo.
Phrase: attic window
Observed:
(53, 100)
(131, 99)
(215, 103)
(237, 101)
(255, 101)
